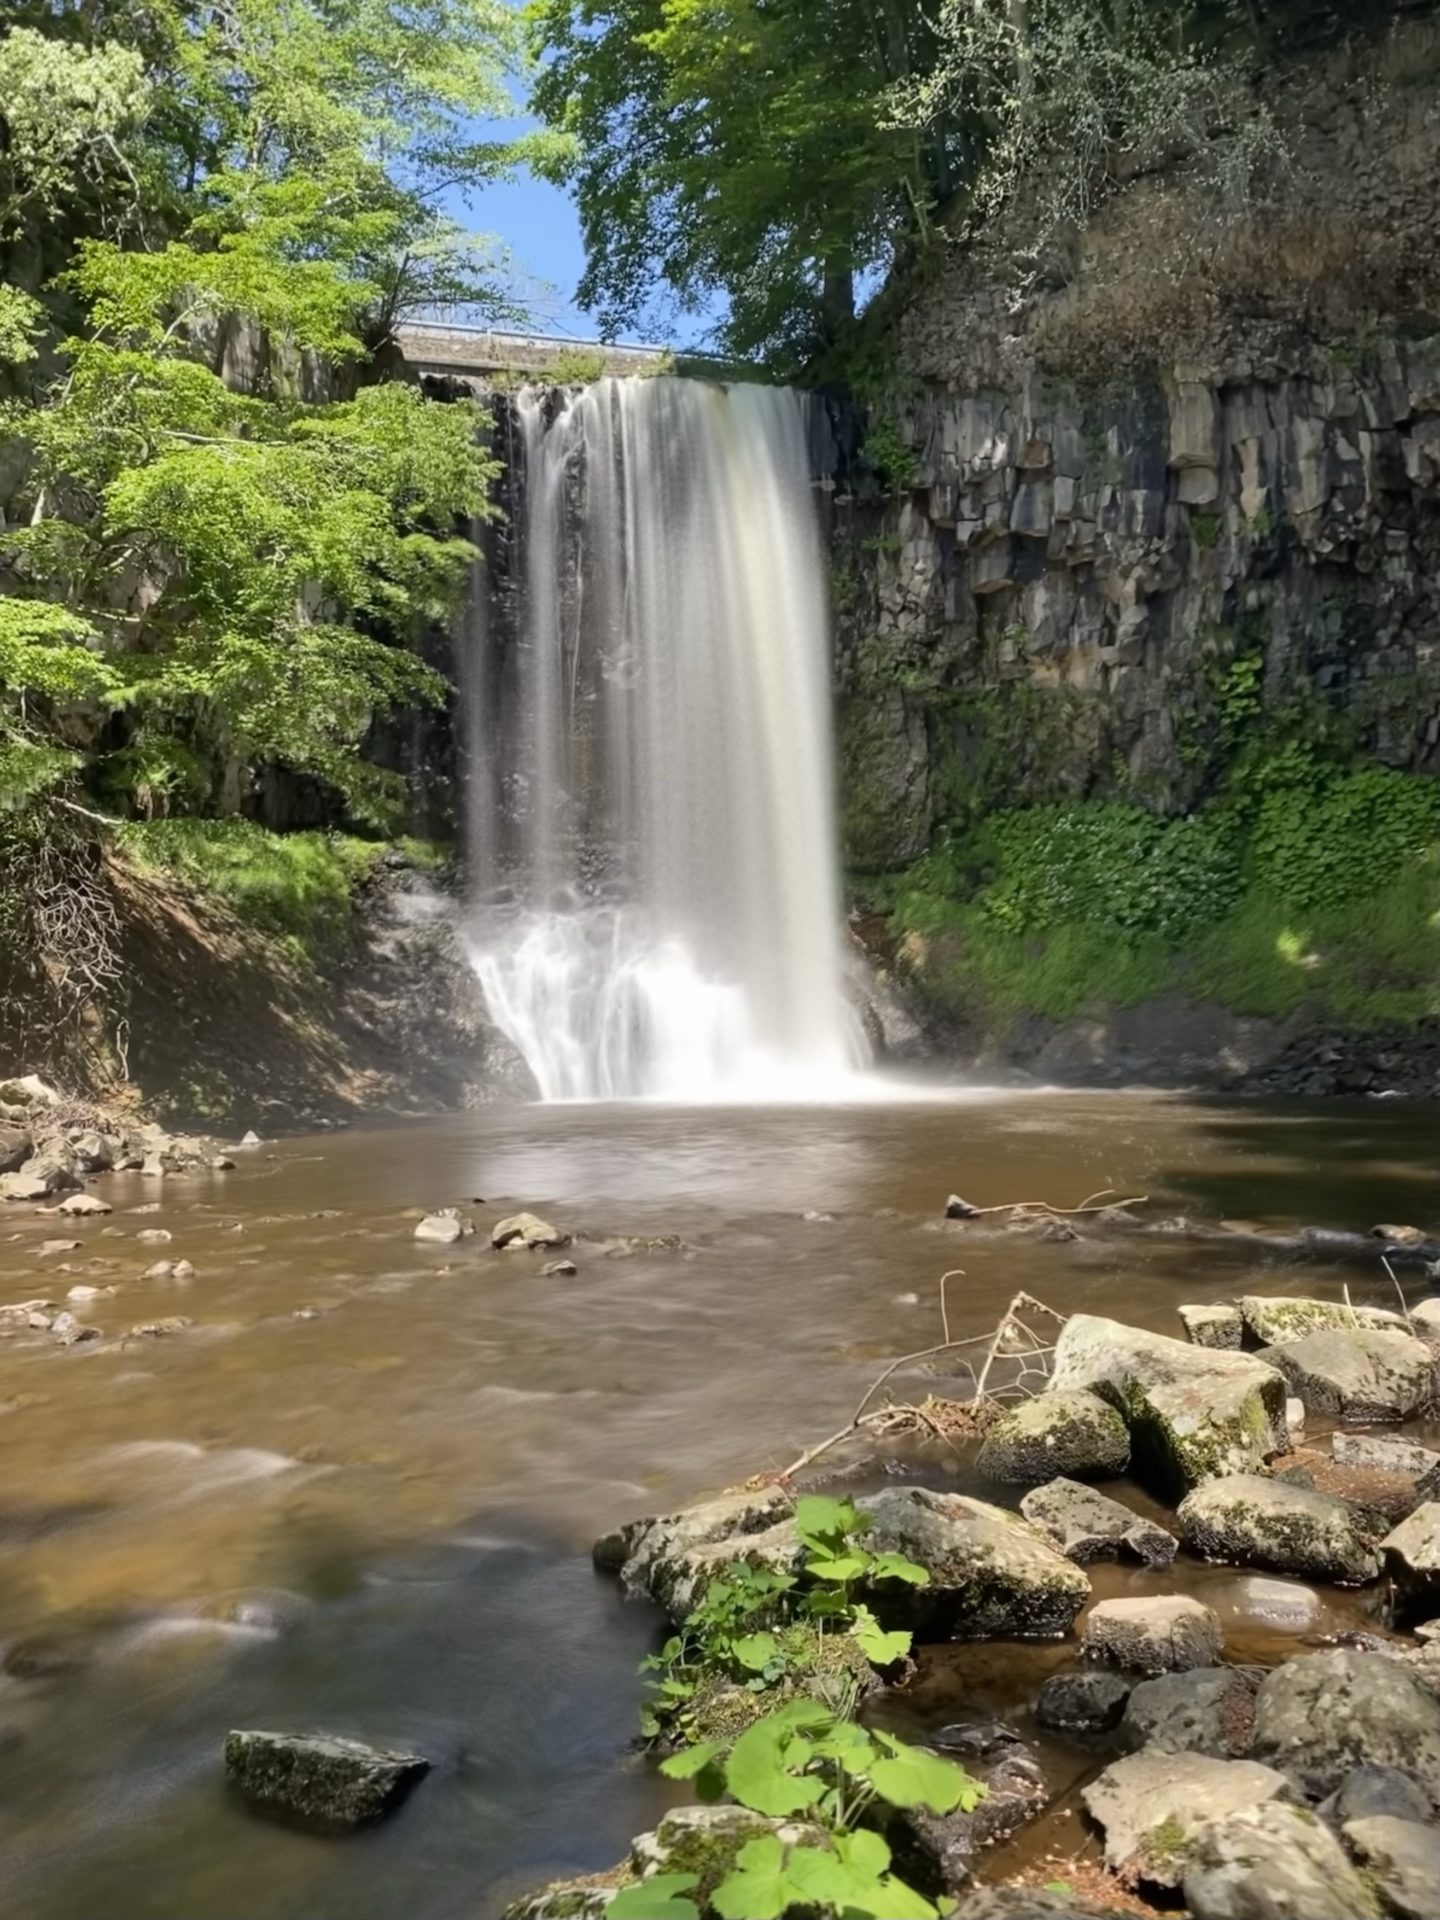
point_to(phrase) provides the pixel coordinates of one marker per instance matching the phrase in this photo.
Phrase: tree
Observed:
(737, 149)
(225, 535)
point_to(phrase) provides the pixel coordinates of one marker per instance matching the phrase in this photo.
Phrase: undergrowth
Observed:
(298, 887)
(1304, 883)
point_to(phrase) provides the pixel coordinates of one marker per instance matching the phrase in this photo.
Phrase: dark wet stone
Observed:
(936, 1852)
(1371, 1791)
(1082, 1702)
(1208, 1710)
(320, 1780)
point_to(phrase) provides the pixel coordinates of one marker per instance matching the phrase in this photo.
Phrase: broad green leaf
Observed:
(894, 1566)
(755, 1651)
(765, 1768)
(838, 1568)
(875, 1643)
(758, 1888)
(689, 1761)
(818, 1516)
(909, 1776)
(665, 1897)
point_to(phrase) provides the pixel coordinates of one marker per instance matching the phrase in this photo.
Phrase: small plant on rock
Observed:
(831, 1776)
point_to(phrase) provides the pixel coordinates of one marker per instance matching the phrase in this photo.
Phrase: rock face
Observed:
(1152, 1807)
(1082, 1702)
(1075, 1434)
(1275, 1319)
(1324, 1714)
(1273, 1859)
(319, 1779)
(1361, 1374)
(1087, 1526)
(1193, 1414)
(1248, 1520)
(1208, 1710)
(1168, 1633)
(1403, 1860)
(1411, 1555)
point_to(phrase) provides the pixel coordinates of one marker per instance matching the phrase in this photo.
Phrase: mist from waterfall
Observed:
(655, 904)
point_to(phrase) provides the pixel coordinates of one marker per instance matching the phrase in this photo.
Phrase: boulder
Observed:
(28, 1090)
(1087, 1526)
(1194, 1414)
(1163, 1633)
(24, 1186)
(76, 1204)
(1207, 1710)
(1319, 1717)
(1371, 1790)
(1402, 1859)
(94, 1152)
(15, 1145)
(526, 1230)
(54, 1163)
(443, 1227)
(1425, 1321)
(1361, 1374)
(1262, 1861)
(1250, 1521)
(1152, 1807)
(936, 1852)
(1377, 1453)
(1082, 1702)
(1076, 1434)
(634, 1549)
(1411, 1557)
(1217, 1324)
(320, 1779)
(1275, 1320)
(991, 1575)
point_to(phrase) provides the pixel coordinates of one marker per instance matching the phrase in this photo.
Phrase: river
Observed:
(358, 1492)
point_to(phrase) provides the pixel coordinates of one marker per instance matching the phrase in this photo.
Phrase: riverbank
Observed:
(357, 1491)
(1202, 1768)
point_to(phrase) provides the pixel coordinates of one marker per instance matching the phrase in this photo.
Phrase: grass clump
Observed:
(298, 887)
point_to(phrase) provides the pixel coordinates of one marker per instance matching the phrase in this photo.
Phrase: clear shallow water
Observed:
(376, 1518)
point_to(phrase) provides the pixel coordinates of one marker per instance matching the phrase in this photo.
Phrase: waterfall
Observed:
(655, 906)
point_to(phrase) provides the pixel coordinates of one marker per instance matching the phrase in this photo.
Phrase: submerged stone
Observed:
(1082, 1702)
(320, 1779)
(526, 1230)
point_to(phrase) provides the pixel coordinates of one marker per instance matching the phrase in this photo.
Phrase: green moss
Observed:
(1167, 1844)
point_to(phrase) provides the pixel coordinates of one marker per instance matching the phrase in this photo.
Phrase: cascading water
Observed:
(655, 903)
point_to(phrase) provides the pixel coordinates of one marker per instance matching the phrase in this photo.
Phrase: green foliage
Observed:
(741, 1630)
(225, 546)
(298, 885)
(1206, 529)
(1322, 843)
(1112, 864)
(891, 456)
(576, 366)
(802, 1761)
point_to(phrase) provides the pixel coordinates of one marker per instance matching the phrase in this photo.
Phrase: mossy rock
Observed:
(1073, 1436)
(706, 1841)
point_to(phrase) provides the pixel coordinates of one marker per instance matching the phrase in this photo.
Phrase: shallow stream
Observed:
(359, 1491)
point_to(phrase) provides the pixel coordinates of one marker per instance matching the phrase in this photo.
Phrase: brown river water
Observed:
(358, 1493)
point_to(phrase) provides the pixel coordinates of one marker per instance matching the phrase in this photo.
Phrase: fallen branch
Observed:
(958, 1209)
(1010, 1325)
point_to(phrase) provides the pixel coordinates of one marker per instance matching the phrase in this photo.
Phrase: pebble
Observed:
(58, 1246)
(155, 1236)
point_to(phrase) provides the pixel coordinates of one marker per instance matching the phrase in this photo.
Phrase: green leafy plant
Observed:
(836, 1559)
(805, 1763)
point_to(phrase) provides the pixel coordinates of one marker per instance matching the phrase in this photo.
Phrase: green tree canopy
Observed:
(224, 534)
